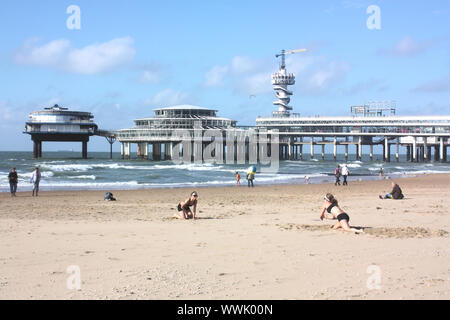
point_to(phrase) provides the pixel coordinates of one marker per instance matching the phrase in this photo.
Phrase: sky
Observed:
(126, 58)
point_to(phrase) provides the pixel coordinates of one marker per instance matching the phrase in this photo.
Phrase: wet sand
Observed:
(262, 243)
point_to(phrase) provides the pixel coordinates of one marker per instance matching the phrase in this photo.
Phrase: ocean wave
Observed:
(91, 177)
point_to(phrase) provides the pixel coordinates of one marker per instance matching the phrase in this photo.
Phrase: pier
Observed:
(63, 125)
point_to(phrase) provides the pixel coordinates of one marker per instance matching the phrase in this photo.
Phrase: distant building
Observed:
(59, 124)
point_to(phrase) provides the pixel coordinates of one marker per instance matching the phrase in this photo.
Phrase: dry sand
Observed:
(261, 243)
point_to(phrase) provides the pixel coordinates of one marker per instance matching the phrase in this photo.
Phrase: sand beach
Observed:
(265, 242)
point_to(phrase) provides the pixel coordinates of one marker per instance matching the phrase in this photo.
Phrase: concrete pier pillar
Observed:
(145, 151)
(323, 149)
(312, 147)
(156, 151)
(335, 148)
(346, 152)
(408, 153)
(360, 148)
(371, 152)
(414, 147)
(441, 149)
(35, 149)
(122, 153)
(301, 148)
(386, 149)
(426, 155)
(84, 150)
(128, 150)
(139, 151)
(290, 149)
(397, 149)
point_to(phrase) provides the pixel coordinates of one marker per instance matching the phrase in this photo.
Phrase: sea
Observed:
(66, 170)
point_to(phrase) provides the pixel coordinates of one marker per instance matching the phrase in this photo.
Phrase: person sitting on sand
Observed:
(396, 193)
(184, 210)
(335, 212)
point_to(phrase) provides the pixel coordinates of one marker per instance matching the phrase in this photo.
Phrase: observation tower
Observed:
(280, 81)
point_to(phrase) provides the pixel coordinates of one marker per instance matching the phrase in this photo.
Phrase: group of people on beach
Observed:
(344, 172)
(250, 177)
(14, 181)
(330, 209)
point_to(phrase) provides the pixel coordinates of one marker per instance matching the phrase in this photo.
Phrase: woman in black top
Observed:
(336, 213)
(184, 210)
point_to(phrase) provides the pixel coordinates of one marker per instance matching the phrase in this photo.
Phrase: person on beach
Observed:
(35, 180)
(13, 180)
(337, 174)
(395, 194)
(380, 172)
(250, 178)
(307, 180)
(238, 178)
(345, 172)
(184, 208)
(336, 213)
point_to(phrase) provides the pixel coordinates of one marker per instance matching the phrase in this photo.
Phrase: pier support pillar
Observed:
(360, 148)
(426, 155)
(335, 148)
(168, 151)
(84, 149)
(290, 149)
(346, 148)
(35, 149)
(301, 148)
(397, 149)
(156, 151)
(386, 150)
(441, 149)
(414, 147)
(323, 149)
(408, 153)
(312, 147)
(122, 154)
(144, 150)
(371, 152)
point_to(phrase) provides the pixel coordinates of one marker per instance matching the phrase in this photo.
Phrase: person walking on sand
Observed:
(238, 178)
(380, 172)
(395, 194)
(345, 172)
(336, 213)
(184, 208)
(13, 180)
(337, 174)
(35, 180)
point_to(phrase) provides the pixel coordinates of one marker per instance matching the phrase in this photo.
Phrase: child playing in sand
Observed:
(335, 212)
(184, 210)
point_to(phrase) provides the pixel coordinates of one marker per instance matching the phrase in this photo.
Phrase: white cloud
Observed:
(314, 74)
(153, 73)
(215, 76)
(92, 59)
(440, 85)
(169, 97)
(408, 47)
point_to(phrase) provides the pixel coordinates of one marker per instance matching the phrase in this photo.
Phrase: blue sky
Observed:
(132, 56)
